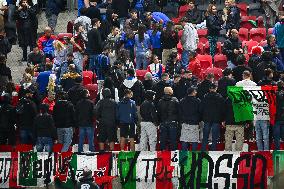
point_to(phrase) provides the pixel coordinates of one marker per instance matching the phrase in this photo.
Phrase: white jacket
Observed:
(189, 38)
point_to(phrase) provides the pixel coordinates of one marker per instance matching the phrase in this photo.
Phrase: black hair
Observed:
(131, 72)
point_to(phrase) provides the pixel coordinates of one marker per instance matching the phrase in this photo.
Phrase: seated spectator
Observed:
(5, 73)
(106, 116)
(68, 79)
(7, 121)
(193, 14)
(240, 68)
(155, 68)
(44, 130)
(148, 81)
(36, 59)
(64, 120)
(45, 43)
(232, 48)
(225, 81)
(84, 112)
(173, 66)
(127, 118)
(43, 79)
(273, 48)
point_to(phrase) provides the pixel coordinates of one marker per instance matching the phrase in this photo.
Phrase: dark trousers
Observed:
(8, 137)
(215, 135)
(168, 132)
(278, 133)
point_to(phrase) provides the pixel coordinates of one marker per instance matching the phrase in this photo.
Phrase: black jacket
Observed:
(228, 49)
(63, 114)
(148, 84)
(229, 113)
(266, 81)
(75, 93)
(93, 12)
(253, 63)
(169, 41)
(136, 87)
(223, 83)
(7, 117)
(279, 106)
(189, 110)
(95, 43)
(261, 68)
(84, 113)
(239, 70)
(26, 110)
(148, 112)
(168, 109)
(234, 18)
(106, 111)
(212, 108)
(180, 88)
(5, 76)
(173, 69)
(214, 24)
(203, 88)
(194, 16)
(121, 7)
(159, 89)
(44, 126)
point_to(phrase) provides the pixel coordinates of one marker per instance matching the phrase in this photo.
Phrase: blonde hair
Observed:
(168, 90)
(27, 77)
(58, 45)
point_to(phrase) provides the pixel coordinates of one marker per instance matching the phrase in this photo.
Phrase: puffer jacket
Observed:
(168, 109)
(127, 111)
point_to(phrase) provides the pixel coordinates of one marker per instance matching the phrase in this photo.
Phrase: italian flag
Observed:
(35, 169)
(151, 170)
(200, 170)
(9, 170)
(252, 103)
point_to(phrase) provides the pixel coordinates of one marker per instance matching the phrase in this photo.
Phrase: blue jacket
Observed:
(128, 42)
(42, 80)
(155, 39)
(127, 111)
(157, 16)
(278, 31)
(102, 66)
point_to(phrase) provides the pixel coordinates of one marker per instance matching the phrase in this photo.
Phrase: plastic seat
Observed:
(202, 34)
(200, 48)
(218, 72)
(257, 34)
(205, 61)
(140, 74)
(249, 45)
(6, 148)
(263, 43)
(182, 11)
(220, 61)
(243, 34)
(91, 75)
(87, 80)
(245, 21)
(243, 8)
(93, 90)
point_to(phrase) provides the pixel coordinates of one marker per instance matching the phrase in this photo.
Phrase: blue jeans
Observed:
(185, 146)
(65, 136)
(92, 59)
(89, 133)
(26, 136)
(185, 58)
(168, 130)
(215, 135)
(278, 132)
(44, 142)
(141, 60)
(262, 134)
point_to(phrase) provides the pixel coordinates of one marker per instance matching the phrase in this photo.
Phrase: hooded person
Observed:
(87, 180)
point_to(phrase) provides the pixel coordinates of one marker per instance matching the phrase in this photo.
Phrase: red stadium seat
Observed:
(243, 34)
(87, 80)
(202, 34)
(263, 43)
(6, 148)
(220, 61)
(250, 44)
(218, 72)
(140, 74)
(270, 31)
(245, 22)
(243, 8)
(91, 75)
(182, 11)
(257, 34)
(200, 48)
(62, 35)
(93, 90)
(205, 61)
(218, 48)
(23, 148)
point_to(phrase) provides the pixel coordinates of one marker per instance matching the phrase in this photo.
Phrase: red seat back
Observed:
(6, 148)
(62, 35)
(23, 148)
(257, 34)
(243, 8)
(205, 61)
(182, 10)
(263, 43)
(249, 44)
(218, 72)
(140, 74)
(200, 48)
(87, 80)
(93, 90)
(245, 23)
(243, 34)
(202, 34)
(220, 61)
